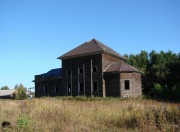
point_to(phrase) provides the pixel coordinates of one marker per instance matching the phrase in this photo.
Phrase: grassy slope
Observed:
(53, 114)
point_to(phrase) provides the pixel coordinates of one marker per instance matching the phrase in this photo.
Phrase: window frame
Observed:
(81, 70)
(127, 84)
(45, 89)
(95, 68)
(96, 86)
(56, 89)
(69, 88)
(81, 89)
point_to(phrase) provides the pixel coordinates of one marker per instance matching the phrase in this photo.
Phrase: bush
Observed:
(176, 92)
(166, 93)
(22, 124)
(157, 91)
(21, 92)
(160, 92)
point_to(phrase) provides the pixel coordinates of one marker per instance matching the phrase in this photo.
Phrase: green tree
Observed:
(21, 92)
(5, 88)
(160, 71)
(143, 60)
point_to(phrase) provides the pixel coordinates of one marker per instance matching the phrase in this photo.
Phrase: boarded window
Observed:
(95, 86)
(94, 69)
(56, 89)
(81, 70)
(45, 90)
(81, 87)
(127, 86)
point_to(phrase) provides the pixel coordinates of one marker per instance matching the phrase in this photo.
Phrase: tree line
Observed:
(161, 73)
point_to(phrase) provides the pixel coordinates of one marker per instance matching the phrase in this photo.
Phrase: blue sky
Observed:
(33, 33)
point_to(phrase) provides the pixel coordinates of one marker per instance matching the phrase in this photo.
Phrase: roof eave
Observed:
(111, 72)
(50, 78)
(86, 54)
(118, 57)
(79, 55)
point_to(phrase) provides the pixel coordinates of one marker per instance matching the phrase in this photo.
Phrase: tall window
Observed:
(81, 70)
(56, 89)
(95, 86)
(45, 90)
(94, 69)
(69, 87)
(81, 87)
(127, 86)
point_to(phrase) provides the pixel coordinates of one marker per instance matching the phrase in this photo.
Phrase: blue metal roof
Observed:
(54, 73)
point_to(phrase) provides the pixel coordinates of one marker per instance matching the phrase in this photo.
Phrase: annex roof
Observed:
(53, 73)
(91, 47)
(121, 66)
(7, 92)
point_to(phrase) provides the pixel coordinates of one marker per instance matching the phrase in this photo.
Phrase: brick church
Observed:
(91, 69)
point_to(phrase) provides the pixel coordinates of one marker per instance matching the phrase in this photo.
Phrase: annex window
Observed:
(127, 85)
(94, 69)
(81, 87)
(69, 87)
(69, 72)
(56, 89)
(81, 70)
(45, 90)
(95, 86)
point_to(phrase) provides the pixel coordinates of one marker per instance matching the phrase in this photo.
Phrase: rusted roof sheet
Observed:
(7, 92)
(121, 66)
(91, 47)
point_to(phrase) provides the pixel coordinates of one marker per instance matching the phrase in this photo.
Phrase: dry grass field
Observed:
(84, 114)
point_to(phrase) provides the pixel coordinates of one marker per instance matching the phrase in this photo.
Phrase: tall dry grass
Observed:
(61, 114)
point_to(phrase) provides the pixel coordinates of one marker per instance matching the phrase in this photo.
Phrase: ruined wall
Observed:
(53, 88)
(112, 84)
(84, 62)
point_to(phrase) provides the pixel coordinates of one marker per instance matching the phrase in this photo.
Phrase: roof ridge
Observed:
(109, 66)
(133, 67)
(121, 66)
(107, 49)
(120, 63)
(98, 43)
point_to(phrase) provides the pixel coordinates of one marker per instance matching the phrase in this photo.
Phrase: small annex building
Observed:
(91, 69)
(8, 94)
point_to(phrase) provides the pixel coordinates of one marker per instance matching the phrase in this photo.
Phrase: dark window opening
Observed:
(95, 86)
(127, 86)
(81, 70)
(94, 69)
(56, 89)
(69, 72)
(69, 87)
(45, 90)
(81, 87)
